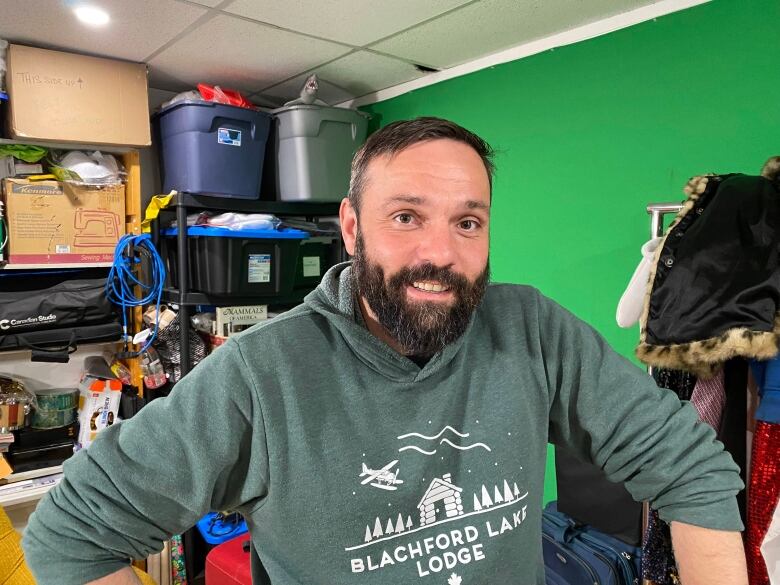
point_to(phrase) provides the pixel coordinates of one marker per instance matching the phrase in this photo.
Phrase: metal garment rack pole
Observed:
(657, 211)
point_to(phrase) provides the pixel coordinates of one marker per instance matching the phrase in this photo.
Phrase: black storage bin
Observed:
(224, 262)
(316, 255)
(40, 457)
(29, 438)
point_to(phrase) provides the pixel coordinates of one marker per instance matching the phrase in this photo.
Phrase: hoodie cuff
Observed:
(723, 515)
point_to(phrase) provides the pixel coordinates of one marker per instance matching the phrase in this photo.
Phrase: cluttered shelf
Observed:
(55, 266)
(16, 489)
(26, 496)
(53, 144)
(303, 208)
(93, 198)
(191, 298)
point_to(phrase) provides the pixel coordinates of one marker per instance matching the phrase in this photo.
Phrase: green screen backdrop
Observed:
(588, 134)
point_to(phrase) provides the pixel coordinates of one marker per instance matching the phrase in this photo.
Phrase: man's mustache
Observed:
(440, 274)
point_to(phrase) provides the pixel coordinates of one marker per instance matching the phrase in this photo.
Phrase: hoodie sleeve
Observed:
(202, 448)
(611, 413)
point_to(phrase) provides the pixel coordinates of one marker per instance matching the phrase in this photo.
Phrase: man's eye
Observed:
(404, 218)
(469, 224)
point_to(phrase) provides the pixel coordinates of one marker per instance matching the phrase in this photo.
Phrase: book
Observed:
(230, 320)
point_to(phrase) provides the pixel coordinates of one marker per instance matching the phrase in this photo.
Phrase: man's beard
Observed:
(420, 328)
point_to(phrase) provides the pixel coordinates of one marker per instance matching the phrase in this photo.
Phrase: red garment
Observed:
(764, 496)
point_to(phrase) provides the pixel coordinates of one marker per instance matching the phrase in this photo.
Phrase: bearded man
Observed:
(394, 427)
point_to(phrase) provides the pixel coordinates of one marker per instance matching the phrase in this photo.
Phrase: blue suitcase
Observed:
(576, 554)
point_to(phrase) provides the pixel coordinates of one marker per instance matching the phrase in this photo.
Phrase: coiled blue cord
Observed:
(121, 283)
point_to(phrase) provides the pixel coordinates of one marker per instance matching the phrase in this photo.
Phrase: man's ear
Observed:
(349, 225)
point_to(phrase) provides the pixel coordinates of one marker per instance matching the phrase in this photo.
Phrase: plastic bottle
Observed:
(122, 372)
(152, 369)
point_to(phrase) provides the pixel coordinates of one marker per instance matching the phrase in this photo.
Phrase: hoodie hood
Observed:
(334, 299)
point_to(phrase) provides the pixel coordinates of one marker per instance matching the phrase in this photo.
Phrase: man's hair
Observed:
(398, 136)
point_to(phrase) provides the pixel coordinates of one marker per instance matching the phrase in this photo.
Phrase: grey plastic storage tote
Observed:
(314, 146)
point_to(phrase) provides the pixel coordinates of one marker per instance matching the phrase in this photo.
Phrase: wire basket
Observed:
(168, 345)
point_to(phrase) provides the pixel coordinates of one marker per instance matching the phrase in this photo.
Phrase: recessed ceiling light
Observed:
(91, 15)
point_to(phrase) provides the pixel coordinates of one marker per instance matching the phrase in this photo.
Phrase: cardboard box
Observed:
(58, 223)
(73, 98)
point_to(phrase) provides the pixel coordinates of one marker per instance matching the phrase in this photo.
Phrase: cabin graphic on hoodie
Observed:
(450, 523)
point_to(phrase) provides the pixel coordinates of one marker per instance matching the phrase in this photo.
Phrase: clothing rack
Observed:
(656, 211)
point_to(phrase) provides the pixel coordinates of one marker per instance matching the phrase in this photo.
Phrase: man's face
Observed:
(421, 242)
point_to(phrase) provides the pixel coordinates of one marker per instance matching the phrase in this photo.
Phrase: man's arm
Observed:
(610, 413)
(708, 557)
(202, 448)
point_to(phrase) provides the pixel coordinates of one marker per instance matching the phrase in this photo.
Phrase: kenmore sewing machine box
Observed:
(60, 223)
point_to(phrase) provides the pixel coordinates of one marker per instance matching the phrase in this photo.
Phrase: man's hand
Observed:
(125, 576)
(709, 557)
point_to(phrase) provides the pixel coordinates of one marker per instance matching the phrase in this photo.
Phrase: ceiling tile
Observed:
(210, 3)
(135, 31)
(489, 26)
(355, 75)
(357, 22)
(239, 54)
(266, 101)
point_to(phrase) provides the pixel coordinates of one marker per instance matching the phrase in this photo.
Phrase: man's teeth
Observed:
(430, 286)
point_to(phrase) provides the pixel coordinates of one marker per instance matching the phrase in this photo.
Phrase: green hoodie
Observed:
(352, 465)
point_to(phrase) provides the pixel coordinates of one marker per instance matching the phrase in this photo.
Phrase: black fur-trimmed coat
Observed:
(714, 289)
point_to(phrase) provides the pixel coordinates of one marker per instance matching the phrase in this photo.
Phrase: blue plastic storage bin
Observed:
(225, 262)
(212, 149)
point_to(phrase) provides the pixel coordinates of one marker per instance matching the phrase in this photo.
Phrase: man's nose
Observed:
(437, 246)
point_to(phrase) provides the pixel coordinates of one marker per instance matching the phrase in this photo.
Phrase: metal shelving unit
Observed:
(185, 298)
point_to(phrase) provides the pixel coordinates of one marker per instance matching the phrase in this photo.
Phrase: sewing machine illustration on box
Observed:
(95, 228)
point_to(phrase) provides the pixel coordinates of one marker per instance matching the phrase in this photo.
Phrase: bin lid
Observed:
(208, 104)
(315, 107)
(220, 232)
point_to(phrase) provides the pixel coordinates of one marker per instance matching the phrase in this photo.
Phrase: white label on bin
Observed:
(62, 249)
(229, 136)
(259, 268)
(311, 266)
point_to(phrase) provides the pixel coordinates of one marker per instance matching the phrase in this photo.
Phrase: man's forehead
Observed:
(423, 200)
(440, 148)
(423, 169)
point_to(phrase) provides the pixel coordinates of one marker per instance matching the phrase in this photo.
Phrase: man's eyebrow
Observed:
(471, 204)
(410, 199)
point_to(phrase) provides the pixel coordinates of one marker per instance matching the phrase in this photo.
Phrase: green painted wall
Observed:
(589, 134)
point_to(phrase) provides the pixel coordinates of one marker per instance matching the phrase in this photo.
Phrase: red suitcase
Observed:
(228, 563)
